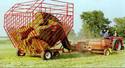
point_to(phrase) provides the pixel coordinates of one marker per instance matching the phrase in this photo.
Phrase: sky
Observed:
(111, 9)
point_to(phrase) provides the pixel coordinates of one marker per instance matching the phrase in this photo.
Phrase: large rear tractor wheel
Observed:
(117, 45)
(21, 53)
(122, 48)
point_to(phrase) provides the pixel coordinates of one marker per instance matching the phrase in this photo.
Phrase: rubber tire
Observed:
(107, 52)
(55, 54)
(45, 55)
(20, 54)
(119, 44)
(122, 48)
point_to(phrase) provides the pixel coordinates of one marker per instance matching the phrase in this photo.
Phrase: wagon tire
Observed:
(56, 54)
(47, 55)
(21, 53)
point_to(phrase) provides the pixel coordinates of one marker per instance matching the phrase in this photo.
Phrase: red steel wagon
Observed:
(35, 27)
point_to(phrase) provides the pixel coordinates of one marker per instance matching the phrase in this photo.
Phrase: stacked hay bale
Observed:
(34, 36)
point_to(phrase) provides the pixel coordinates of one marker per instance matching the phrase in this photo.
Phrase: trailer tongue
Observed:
(66, 44)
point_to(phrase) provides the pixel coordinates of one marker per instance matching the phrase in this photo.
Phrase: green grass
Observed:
(8, 58)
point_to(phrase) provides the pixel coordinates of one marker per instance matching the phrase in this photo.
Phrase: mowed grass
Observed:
(8, 58)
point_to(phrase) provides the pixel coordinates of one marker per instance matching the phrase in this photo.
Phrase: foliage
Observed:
(120, 26)
(93, 23)
(112, 30)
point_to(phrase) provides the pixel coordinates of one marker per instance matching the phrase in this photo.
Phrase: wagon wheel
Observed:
(55, 54)
(21, 53)
(47, 55)
(107, 51)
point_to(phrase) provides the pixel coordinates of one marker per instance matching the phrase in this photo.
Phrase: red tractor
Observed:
(105, 45)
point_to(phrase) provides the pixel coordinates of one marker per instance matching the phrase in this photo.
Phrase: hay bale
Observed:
(40, 27)
(15, 36)
(24, 31)
(38, 20)
(39, 45)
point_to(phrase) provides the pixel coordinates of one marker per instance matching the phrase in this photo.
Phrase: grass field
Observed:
(8, 58)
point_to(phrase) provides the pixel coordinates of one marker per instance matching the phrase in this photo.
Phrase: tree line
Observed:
(93, 22)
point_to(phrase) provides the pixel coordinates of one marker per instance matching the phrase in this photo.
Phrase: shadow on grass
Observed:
(75, 55)
(118, 52)
(68, 55)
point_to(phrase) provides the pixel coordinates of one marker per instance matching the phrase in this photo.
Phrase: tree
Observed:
(93, 23)
(120, 26)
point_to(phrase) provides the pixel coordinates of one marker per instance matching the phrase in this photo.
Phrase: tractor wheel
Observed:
(47, 55)
(122, 48)
(107, 51)
(21, 53)
(117, 45)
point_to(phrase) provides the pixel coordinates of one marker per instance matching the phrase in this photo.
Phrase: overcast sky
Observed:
(111, 9)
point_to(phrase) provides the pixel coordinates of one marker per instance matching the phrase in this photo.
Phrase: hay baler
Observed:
(104, 46)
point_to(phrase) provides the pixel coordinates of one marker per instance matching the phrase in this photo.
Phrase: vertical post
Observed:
(40, 8)
(4, 21)
(50, 10)
(66, 9)
(45, 9)
(73, 13)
